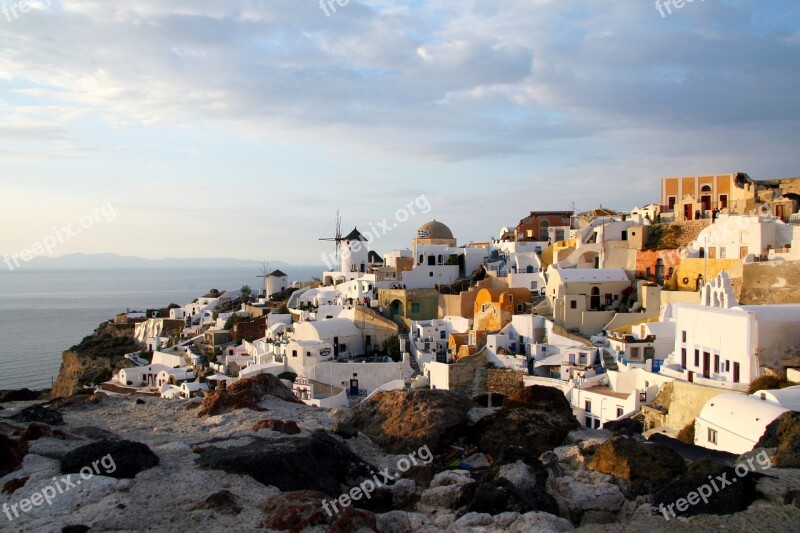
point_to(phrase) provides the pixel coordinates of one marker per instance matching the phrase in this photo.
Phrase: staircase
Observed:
(609, 360)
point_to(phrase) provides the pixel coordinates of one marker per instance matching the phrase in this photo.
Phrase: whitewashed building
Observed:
(734, 422)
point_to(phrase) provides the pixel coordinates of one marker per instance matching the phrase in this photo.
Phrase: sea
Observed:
(44, 312)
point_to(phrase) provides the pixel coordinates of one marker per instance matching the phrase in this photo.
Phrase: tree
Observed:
(391, 347)
(245, 290)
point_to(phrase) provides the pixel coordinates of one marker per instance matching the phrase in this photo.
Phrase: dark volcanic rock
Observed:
(129, 458)
(536, 430)
(12, 452)
(318, 462)
(75, 529)
(289, 428)
(39, 413)
(21, 395)
(344, 430)
(222, 502)
(538, 397)
(627, 427)
(644, 467)
(783, 434)
(13, 485)
(735, 494)
(525, 492)
(300, 510)
(401, 421)
(35, 431)
(245, 394)
(501, 496)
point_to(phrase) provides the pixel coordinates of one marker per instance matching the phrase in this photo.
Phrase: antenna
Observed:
(337, 239)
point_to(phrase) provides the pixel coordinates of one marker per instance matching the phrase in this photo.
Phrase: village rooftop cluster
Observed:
(697, 293)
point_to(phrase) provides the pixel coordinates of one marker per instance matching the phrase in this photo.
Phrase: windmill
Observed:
(337, 240)
(264, 274)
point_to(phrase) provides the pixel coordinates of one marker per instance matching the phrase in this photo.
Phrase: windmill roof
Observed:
(355, 235)
(278, 274)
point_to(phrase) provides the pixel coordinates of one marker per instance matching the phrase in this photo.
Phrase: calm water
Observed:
(44, 312)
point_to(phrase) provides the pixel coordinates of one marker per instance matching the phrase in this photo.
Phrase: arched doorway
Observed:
(594, 303)
(699, 283)
(660, 271)
(705, 197)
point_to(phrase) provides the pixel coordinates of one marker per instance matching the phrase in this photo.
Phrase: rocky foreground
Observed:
(253, 458)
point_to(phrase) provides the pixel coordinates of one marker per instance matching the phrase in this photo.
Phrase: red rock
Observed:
(289, 428)
(245, 394)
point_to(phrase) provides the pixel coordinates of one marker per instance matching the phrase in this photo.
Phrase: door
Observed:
(683, 358)
(736, 372)
(687, 212)
(353, 387)
(706, 365)
(594, 303)
(336, 347)
(691, 377)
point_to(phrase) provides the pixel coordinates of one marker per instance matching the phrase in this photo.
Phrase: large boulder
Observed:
(317, 462)
(289, 428)
(404, 421)
(536, 418)
(39, 413)
(245, 394)
(447, 489)
(735, 493)
(12, 451)
(641, 467)
(784, 434)
(587, 492)
(120, 459)
(21, 395)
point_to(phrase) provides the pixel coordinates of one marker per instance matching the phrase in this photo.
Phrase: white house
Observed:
(597, 405)
(721, 344)
(174, 376)
(193, 389)
(141, 376)
(788, 398)
(734, 422)
(585, 299)
(428, 339)
(170, 359)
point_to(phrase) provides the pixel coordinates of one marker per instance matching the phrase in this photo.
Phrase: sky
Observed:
(198, 128)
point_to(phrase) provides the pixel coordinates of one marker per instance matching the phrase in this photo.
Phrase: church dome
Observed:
(434, 230)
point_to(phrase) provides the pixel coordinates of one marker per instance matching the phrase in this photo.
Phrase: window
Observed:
(544, 227)
(619, 411)
(723, 201)
(415, 308)
(588, 406)
(441, 259)
(716, 363)
(520, 307)
(671, 202)
(421, 259)
(635, 354)
(722, 252)
(308, 354)
(443, 335)
(294, 353)
(625, 235)
(712, 436)
(683, 336)
(511, 298)
(534, 285)
(573, 304)
(697, 358)
(430, 274)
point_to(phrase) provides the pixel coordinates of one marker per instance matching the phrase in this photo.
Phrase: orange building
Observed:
(689, 196)
(495, 307)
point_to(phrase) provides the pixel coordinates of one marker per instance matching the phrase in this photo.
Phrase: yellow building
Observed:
(689, 196)
(495, 307)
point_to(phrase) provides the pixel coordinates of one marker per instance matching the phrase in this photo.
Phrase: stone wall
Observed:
(774, 282)
(504, 381)
(462, 372)
(681, 403)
